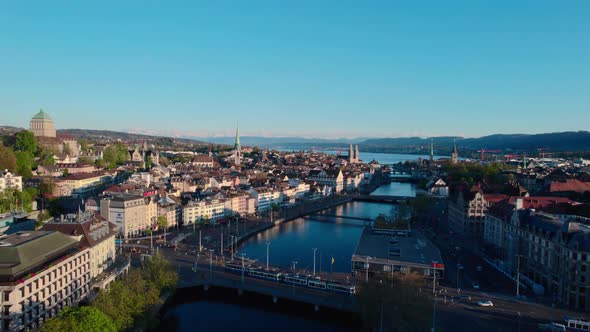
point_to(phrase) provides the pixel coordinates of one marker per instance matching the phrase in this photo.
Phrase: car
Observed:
(475, 285)
(460, 267)
(486, 303)
(479, 268)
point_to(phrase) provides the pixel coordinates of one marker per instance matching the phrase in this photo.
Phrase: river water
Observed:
(293, 241)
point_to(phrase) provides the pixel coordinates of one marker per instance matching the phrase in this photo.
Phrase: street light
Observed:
(267, 253)
(518, 275)
(314, 250)
(243, 267)
(210, 263)
(367, 267)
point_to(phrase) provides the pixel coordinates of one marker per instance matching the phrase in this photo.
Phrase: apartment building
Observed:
(94, 232)
(127, 212)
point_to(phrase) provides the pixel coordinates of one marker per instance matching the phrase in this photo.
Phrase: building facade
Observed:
(9, 180)
(42, 125)
(46, 272)
(127, 212)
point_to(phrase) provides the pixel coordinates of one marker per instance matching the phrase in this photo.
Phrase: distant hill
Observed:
(562, 141)
(112, 136)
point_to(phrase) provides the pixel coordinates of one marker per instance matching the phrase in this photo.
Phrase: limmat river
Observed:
(336, 238)
(292, 241)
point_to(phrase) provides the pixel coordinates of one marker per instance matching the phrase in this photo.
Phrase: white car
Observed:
(487, 303)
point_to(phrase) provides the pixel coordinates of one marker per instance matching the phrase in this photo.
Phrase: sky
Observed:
(298, 68)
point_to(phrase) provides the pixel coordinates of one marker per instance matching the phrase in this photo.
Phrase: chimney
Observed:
(519, 203)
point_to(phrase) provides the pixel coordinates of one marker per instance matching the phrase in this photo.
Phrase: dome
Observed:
(42, 116)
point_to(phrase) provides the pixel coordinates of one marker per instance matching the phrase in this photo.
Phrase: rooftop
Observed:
(386, 249)
(42, 116)
(25, 251)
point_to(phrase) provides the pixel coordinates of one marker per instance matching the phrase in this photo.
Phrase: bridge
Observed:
(212, 275)
(327, 215)
(383, 198)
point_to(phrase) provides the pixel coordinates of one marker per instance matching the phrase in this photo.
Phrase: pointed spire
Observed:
(431, 149)
(237, 145)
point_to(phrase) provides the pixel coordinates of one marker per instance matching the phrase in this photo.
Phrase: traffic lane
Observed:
(459, 318)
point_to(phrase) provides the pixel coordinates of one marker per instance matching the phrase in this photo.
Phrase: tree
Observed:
(163, 221)
(45, 156)
(24, 164)
(404, 307)
(7, 159)
(85, 160)
(80, 319)
(159, 273)
(148, 162)
(115, 154)
(26, 142)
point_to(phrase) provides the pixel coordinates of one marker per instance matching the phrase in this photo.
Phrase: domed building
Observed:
(42, 125)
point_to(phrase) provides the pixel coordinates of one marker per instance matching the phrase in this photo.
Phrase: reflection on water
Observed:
(396, 189)
(215, 316)
(334, 237)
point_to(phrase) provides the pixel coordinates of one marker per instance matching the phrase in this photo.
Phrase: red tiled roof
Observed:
(569, 185)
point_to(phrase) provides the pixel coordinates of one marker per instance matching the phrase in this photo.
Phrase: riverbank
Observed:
(297, 211)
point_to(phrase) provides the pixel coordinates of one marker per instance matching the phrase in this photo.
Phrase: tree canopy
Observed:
(7, 159)
(26, 142)
(82, 319)
(115, 154)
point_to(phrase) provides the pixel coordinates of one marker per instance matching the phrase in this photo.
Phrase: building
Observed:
(400, 251)
(127, 212)
(203, 160)
(8, 180)
(94, 232)
(198, 211)
(353, 155)
(81, 183)
(467, 210)
(41, 273)
(332, 178)
(237, 148)
(454, 154)
(15, 222)
(265, 197)
(42, 125)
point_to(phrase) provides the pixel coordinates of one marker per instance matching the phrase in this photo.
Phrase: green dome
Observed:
(42, 116)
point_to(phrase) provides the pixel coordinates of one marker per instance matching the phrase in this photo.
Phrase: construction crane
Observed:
(483, 151)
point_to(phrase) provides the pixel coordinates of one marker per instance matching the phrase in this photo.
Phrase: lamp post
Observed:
(267, 253)
(243, 267)
(210, 263)
(518, 275)
(200, 243)
(367, 267)
(314, 250)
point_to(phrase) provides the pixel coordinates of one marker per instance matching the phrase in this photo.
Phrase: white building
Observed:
(46, 271)
(8, 180)
(198, 211)
(265, 197)
(127, 212)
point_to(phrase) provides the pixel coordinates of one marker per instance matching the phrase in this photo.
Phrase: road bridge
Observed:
(327, 215)
(383, 199)
(216, 276)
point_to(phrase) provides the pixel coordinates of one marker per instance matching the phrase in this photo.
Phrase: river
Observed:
(293, 241)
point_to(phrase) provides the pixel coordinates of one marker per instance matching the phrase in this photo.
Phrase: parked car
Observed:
(475, 285)
(486, 303)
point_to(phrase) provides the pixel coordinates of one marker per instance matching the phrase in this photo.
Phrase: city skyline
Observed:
(339, 70)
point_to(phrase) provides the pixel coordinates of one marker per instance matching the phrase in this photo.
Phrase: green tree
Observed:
(404, 307)
(159, 273)
(26, 142)
(162, 221)
(115, 154)
(82, 319)
(148, 162)
(7, 159)
(24, 164)
(85, 160)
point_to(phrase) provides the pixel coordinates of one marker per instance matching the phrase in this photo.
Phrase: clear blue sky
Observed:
(312, 68)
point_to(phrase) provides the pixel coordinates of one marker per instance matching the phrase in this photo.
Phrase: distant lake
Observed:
(386, 158)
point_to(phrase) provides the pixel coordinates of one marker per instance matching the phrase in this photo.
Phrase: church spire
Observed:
(431, 149)
(237, 145)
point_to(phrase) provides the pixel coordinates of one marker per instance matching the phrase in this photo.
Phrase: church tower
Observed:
(431, 151)
(350, 154)
(454, 155)
(356, 154)
(237, 148)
